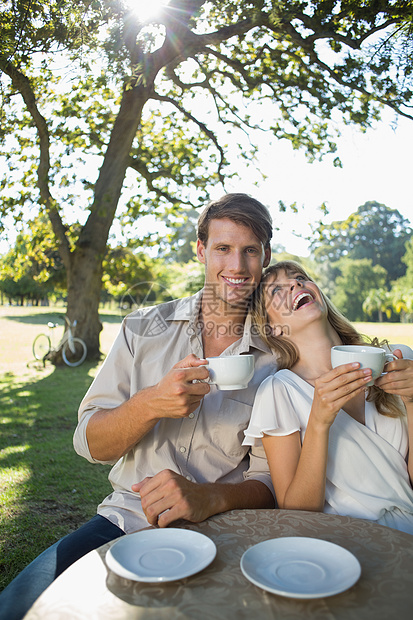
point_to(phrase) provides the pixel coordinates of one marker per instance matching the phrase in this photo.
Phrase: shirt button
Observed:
(191, 415)
(182, 449)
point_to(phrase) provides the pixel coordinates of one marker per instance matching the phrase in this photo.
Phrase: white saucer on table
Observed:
(160, 555)
(299, 567)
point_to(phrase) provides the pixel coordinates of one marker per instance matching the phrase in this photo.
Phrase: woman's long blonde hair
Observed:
(386, 404)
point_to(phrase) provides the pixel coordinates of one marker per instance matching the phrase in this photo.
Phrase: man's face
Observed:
(234, 258)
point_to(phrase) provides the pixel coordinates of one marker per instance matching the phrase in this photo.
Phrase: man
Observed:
(174, 439)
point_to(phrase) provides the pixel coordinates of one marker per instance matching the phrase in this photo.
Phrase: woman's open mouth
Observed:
(302, 300)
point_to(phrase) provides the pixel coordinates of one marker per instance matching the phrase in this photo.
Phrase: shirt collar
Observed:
(188, 309)
(250, 339)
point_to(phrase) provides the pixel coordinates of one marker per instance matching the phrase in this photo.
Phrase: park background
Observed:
(348, 222)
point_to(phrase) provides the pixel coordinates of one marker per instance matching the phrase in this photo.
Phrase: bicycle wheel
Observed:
(41, 346)
(76, 356)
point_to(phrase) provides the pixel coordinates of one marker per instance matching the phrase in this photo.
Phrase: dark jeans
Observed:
(21, 593)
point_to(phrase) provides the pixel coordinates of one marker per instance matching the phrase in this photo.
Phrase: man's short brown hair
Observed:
(241, 209)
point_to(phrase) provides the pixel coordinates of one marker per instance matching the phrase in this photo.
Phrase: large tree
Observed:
(100, 85)
(407, 259)
(354, 284)
(374, 231)
(402, 290)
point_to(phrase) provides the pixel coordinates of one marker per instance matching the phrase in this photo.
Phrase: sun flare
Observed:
(147, 9)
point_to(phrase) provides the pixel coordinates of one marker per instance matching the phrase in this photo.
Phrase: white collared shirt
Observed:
(204, 447)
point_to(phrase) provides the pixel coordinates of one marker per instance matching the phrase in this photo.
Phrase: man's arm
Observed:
(398, 379)
(111, 433)
(167, 497)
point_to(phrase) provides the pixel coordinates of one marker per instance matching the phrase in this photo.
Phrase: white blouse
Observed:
(283, 403)
(366, 473)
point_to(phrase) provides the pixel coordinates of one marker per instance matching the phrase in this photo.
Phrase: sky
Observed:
(376, 166)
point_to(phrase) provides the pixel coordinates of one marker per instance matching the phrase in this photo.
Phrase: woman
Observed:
(332, 443)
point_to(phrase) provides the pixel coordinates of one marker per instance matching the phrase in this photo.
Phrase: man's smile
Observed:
(235, 281)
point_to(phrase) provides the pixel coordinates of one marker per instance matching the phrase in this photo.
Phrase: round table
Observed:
(89, 590)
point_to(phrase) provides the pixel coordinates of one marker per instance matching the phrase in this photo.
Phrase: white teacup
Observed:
(368, 357)
(231, 372)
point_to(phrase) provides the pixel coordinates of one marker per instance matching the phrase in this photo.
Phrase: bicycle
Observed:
(74, 350)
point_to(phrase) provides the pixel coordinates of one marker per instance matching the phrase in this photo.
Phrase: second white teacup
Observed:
(231, 372)
(367, 356)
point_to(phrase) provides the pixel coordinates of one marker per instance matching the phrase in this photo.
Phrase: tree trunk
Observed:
(84, 282)
(84, 264)
(83, 297)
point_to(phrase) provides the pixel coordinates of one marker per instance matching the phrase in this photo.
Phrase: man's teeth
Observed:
(236, 280)
(299, 298)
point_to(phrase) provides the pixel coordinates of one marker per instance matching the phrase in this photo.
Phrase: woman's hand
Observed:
(398, 378)
(335, 388)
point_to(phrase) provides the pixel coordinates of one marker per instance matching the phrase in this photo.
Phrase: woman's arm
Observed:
(299, 472)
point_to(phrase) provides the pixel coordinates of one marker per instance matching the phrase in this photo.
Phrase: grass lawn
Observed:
(395, 333)
(46, 490)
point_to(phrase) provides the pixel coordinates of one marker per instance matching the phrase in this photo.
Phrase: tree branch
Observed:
(181, 42)
(330, 30)
(22, 84)
(200, 124)
(142, 168)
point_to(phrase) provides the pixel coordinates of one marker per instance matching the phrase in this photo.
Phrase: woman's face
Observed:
(292, 301)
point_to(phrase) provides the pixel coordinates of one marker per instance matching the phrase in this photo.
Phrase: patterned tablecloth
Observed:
(89, 590)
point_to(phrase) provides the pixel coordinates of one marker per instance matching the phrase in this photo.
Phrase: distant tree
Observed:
(407, 259)
(277, 249)
(182, 279)
(327, 274)
(32, 269)
(128, 275)
(402, 289)
(353, 285)
(402, 301)
(22, 288)
(179, 246)
(374, 232)
(378, 301)
(307, 262)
